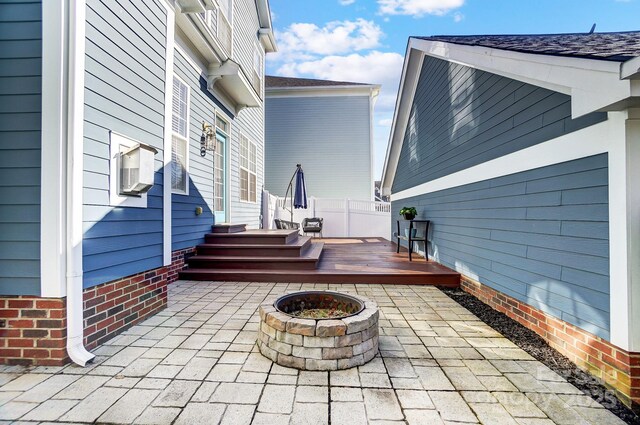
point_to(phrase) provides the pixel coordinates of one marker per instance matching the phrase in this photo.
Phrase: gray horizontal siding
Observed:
(539, 236)
(124, 93)
(20, 108)
(329, 136)
(187, 228)
(464, 117)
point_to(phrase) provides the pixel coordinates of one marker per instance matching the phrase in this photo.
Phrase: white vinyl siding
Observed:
(179, 142)
(247, 170)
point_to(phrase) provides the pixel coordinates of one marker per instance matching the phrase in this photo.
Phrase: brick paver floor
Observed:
(196, 363)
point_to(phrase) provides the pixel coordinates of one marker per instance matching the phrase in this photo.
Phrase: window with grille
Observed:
(248, 181)
(180, 138)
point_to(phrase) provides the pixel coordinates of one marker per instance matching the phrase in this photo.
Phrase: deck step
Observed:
(253, 237)
(293, 249)
(228, 228)
(307, 261)
(314, 276)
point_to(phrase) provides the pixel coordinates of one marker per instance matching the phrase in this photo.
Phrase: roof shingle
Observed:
(273, 81)
(612, 46)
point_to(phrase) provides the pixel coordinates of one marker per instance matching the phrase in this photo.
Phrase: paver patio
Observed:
(196, 363)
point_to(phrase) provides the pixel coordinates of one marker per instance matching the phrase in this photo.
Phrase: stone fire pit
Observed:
(342, 342)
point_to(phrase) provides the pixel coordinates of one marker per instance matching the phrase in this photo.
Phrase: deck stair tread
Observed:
(312, 253)
(298, 243)
(281, 237)
(228, 228)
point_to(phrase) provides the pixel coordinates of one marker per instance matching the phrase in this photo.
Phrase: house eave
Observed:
(338, 90)
(265, 33)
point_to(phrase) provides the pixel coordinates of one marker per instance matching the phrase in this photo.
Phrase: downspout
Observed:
(74, 183)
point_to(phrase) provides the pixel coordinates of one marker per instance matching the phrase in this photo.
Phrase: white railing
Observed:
(341, 217)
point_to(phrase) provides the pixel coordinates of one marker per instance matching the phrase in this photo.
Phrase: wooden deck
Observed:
(347, 260)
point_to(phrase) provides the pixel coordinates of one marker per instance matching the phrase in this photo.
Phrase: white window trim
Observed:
(240, 167)
(118, 143)
(180, 136)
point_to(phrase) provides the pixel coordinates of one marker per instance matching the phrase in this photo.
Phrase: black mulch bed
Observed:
(533, 344)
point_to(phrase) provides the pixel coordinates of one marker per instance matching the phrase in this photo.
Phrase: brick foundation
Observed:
(36, 328)
(616, 368)
(35, 331)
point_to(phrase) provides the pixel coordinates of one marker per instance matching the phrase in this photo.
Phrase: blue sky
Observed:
(365, 40)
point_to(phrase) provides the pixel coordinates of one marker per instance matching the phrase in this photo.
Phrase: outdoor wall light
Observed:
(136, 166)
(207, 139)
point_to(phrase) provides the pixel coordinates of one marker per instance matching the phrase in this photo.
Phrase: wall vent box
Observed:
(136, 170)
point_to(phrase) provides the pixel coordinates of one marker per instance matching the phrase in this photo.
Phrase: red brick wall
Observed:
(616, 368)
(35, 328)
(35, 331)
(112, 307)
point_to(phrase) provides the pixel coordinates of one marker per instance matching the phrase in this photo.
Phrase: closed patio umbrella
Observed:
(300, 198)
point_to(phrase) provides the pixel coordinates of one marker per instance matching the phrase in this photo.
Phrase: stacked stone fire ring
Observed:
(323, 343)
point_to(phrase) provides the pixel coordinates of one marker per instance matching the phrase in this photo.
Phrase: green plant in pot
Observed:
(409, 213)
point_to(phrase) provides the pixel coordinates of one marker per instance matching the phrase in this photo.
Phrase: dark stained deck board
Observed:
(348, 260)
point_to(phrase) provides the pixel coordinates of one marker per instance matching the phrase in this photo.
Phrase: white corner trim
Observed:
(588, 141)
(167, 145)
(53, 151)
(117, 144)
(624, 228)
(75, 169)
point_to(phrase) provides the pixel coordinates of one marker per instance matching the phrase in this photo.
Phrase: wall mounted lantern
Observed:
(207, 139)
(136, 170)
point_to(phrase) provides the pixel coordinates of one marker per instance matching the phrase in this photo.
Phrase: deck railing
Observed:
(342, 217)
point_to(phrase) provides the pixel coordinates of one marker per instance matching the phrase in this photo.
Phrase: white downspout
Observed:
(75, 325)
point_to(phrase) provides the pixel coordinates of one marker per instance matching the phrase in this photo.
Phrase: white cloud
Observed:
(458, 17)
(305, 40)
(346, 2)
(386, 122)
(418, 8)
(374, 67)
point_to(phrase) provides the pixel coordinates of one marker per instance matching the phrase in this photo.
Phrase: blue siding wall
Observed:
(20, 106)
(125, 71)
(187, 228)
(463, 117)
(540, 236)
(329, 136)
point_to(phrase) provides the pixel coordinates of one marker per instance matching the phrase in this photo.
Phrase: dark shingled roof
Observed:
(272, 81)
(612, 46)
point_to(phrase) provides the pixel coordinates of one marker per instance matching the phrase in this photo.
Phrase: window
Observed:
(247, 170)
(180, 138)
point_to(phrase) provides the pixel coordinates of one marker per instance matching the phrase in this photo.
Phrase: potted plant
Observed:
(409, 213)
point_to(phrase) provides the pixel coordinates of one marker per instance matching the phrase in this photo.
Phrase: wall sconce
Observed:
(207, 139)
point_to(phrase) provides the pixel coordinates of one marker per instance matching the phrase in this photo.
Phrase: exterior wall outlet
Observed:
(3, 323)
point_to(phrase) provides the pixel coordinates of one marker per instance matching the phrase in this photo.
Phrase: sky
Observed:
(365, 40)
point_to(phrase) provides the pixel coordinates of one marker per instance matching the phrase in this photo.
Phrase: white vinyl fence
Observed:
(341, 217)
